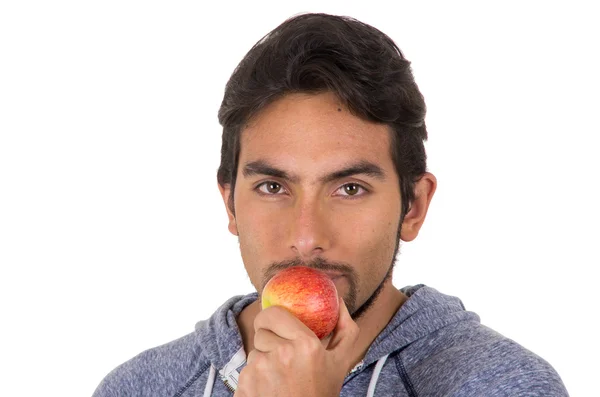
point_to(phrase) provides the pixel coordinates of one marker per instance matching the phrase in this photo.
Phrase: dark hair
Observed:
(315, 53)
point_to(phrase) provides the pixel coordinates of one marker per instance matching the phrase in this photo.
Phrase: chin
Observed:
(364, 308)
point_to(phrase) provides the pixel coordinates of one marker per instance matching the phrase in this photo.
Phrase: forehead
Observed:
(307, 131)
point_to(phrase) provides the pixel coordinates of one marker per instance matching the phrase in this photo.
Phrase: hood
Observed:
(425, 312)
(220, 336)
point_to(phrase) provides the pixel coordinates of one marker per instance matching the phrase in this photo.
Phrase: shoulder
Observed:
(471, 359)
(163, 370)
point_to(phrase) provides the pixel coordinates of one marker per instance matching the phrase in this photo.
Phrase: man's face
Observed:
(317, 186)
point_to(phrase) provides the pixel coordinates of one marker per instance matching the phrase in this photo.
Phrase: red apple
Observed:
(306, 292)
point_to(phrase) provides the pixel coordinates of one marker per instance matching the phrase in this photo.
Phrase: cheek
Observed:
(259, 234)
(373, 232)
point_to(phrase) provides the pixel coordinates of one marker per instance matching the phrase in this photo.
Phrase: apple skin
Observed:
(308, 293)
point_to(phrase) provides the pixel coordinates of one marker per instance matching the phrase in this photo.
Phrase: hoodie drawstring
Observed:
(210, 381)
(370, 391)
(375, 376)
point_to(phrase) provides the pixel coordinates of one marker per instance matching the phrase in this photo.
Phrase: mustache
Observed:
(317, 263)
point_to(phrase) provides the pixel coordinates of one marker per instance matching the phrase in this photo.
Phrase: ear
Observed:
(225, 192)
(414, 218)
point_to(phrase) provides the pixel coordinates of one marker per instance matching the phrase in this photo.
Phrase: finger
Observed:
(345, 333)
(282, 323)
(247, 379)
(326, 340)
(267, 341)
(252, 357)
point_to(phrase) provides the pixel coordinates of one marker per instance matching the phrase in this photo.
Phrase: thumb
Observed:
(345, 333)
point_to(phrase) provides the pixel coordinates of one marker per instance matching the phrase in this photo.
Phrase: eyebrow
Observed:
(262, 167)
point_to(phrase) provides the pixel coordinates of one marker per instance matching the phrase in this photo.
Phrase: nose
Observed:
(310, 233)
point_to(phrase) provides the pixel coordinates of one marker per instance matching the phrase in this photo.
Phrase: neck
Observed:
(371, 323)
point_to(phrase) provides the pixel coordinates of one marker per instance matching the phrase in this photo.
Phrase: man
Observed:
(323, 165)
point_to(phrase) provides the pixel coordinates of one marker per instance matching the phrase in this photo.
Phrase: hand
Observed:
(289, 360)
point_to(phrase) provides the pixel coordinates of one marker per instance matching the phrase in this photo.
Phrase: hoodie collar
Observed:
(220, 336)
(425, 312)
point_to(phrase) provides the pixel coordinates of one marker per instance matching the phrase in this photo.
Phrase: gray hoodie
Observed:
(431, 347)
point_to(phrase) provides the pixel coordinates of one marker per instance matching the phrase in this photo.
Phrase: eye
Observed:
(270, 188)
(352, 189)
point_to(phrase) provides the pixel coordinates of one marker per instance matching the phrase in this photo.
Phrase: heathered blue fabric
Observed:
(436, 348)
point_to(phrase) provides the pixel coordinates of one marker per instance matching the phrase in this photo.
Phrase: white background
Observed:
(113, 235)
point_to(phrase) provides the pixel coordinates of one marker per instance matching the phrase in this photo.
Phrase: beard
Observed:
(347, 270)
(358, 313)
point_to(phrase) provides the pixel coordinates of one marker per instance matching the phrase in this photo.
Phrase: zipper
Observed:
(227, 384)
(229, 374)
(357, 367)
